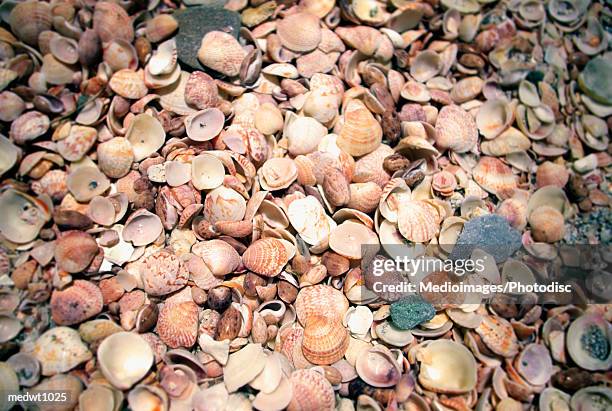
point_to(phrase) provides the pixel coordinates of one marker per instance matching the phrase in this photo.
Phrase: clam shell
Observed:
(378, 367)
(414, 91)
(161, 27)
(456, 129)
(59, 350)
(204, 125)
(278, 399)
(426, 65)
(277, 173)
(591, 398)
(320, 299)
(112, 22)
(220, 257)
(29, 19)
(588, 342)
(24, 217)
(221, 52)
(270, 378)
(267, 256)
(207, 172)
(447, 367)
(124, 359)
(308, 218)
(163, 273)
(303, 133)
(76, 303)
(86, 182)
(508, 142)
(299, 31)
(547, 224)
(115, 157)
(64, 49)
(29, 126)
(201, 91)
(495, 177)
(494, 117)
(129, 84)
(417, 221)
(142, 228)
(11, 106)
(549, 173)
(311, 391)
(224, 204)
(164, 60)
(325, 340)
(370, 167)
(79, 141)
(534, 364)
(75, 250)
(348, 238)
(177, 325)
(360, 133)
(466, 89)
(146, 135)
(9, 153)
(120, 54)
(235, 374)
(497, 334)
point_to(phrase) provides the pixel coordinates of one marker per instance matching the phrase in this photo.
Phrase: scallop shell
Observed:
(267, 256)
(224, 204)
(59, 350)
(75, 250)
(299, 32)
(508, 142)
(163, 273)
(414, 91)
(277, 173)
(124, 359)
(364, 197)
(112, 22)
(378, 367)
(177, 325)
(497, 334)
(76, 303)
(221, 52)
(320, 299)
(360, 133)
(207, 172)
(456, 129)
(78, 142)
(303, 133)
(30, 18)
(325, 340)
(466, 89)
(220, 257)
(204, 125)
(494, 117)
(311, 391)
(417, 221)
(495, 177)
(115, 157)
(129, 84)
(146, 135)
(447, 367)
(142, 228)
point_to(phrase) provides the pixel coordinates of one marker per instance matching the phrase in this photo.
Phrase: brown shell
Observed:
(549, 173)
(30, 18)
(325, 340)
(456, 129)
(547, 224)
(267, 257)
(336, 188)
(112, 22)
(163, 273)
(498, 335)
(320, 299)
(495, 177)
(177, 324)
(75, 250)
(311, 391)
(161, 27)
(299, 31)
(76, 303)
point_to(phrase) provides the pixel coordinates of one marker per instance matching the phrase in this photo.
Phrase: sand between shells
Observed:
(184, 205)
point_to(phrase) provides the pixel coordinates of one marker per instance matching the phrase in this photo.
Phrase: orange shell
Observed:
(495, 177)
(360, 133)
(320, 299)
(311, 391)
(325, 341)
(498, 335)
(76, 303)
(177, 325)
(267, 257)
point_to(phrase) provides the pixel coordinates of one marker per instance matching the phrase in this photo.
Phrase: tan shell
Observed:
(129, 84)
(64, 49)
(311, 391)
(497, 334)
(177, 325)
(78, 142)
(75, 250)
(224, 204)
(221, 52)
(466, 89)
(267, 256)
(59, 350)
(220, 257)
(11, 106)
(235, 374)
(417, 221)
(163, 273)
(456, 129)
(325, 340)
(76, 303)
(124, 359)
(85, 183)
(9, 153)
(370, 167)
(320, 299)
(549, 173)
(378, 367)
(112, 22)
(303, 134)
(161, 27)
(547, 224)
(426, 65)
(494, 117)
(360, 133)
(115, 157)
(413, 91)
(363, 38)
(29, 126)
(299, 31)
(24, 216)
(142, 228)
(207, 172)
(277, 173)
(146, 135)
(508, 142)
(348, 238)
(495, 177)
(29, 19)
(447, 367)
(308, 218)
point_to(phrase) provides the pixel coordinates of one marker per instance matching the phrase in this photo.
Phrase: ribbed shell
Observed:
(361, 133)
(311, 391)
(76, 303)
(30, 18)
(177, 324)
(220, 257)
(325, 340)
(456, 129)
(221, 52)
(495, 177)
(498, 335)
(163, 273)
(370, 167)
(129, 84)
(112, 22)
(320, 299)
(267, 257)
(299, 32)
(417, 221)
(115, 157)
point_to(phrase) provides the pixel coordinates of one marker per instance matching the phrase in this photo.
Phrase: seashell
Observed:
(221, 52)
(348, 238)
(358, 320)
(426, 65)
(78, 142)
(235, 374)
(29, 19)
(549, 173)
(364, 197)
(320, 299)
(119, 55)
(204, 125)
(55, 72)
(508, 142)
(124, 359)
(163, 273)
(10, 327)
(59, 350)
(76, 303)
(98, 395)
(336, 188)
(29, 126)
(11, 106)
(207, 172)
(325, 340)
(588, 341)
(528, 94)
(590, 398)
(220, 257)
(552, 399)
(392, 335)
(378, 367)
(311, 391)
(303, 133)
(299, 32)
(84, 183)
(494, 117)
(112, 22)
(279, 398)
(177, 324)
(146, 135)
(495, 177)
(266, 256)
(115, 157)
(89, 47)
(277, 173)
(201, 91)
(365, 39)
(129, 84)
(447, 367)
(160, 27)
(75, 250)
(497, 334)
(308, 218)
(26, 367)
(9, 153)
(25, 216)
(164, 61)
(413, 91)
(360, 133)
(224, 204)
(547, 224)
(64, 49)
(455, 129)
(466, 89)
(417, 221)
(370, 167)
(534, 364)
(268, 119)
(142, 228)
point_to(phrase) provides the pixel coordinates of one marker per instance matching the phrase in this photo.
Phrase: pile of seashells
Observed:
(187, 187)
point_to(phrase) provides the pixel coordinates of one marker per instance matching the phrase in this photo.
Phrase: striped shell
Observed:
(498, 335)
(112, 22)
(76, 303)
(360, 133)
(417, 221)
(267, 257)
(30, 18)
(221, 52)
(311, 391)
(163, 273)
(79, 141)
(495, 177)
(129, 84)
(370, 166)
(224, 204)
(299, 31)
(177, 324)
(325, 340)
(320, 299)
(456, 129)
